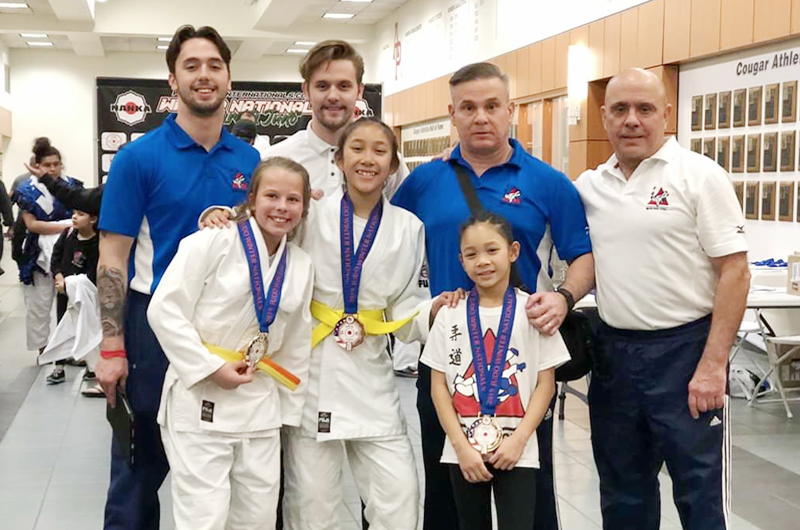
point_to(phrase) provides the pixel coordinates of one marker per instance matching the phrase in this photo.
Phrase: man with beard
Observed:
(333, 73)
(157, 188)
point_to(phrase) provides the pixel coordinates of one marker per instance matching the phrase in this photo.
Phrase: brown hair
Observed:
(331, 50)
(475, 71)
(42, 148)
(187, 32)
(363, 122)
(245, 210)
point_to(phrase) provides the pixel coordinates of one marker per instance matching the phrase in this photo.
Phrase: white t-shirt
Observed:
(448, 350)
(653, 234)
(317, 156)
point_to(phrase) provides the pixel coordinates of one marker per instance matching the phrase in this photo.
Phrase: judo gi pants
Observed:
(132, 502)
(38, 309)
(384, 471)
(439, 506)
(638, 407)
(223, 482)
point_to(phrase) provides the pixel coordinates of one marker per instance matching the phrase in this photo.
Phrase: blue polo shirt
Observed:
(159, 185)
(541, 204)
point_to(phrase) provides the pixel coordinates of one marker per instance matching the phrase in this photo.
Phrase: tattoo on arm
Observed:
(111, 287)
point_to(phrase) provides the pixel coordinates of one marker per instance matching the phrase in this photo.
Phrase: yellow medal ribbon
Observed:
(266, 365)
(371, 319)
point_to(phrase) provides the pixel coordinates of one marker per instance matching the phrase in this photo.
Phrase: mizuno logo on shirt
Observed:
(740, 229)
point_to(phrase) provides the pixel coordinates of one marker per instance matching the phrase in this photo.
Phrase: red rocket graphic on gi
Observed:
(465, 399)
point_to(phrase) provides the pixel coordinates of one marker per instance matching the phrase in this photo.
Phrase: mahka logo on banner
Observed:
(131, 108)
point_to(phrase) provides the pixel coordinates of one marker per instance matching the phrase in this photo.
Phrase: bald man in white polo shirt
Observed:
(672, 280)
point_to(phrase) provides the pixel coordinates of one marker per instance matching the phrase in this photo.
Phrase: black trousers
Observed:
(513, 491)
(440, 507)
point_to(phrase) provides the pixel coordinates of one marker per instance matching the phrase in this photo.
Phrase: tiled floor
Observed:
(54, 448)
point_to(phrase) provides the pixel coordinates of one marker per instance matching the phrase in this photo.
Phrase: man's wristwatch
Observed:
(568, 295)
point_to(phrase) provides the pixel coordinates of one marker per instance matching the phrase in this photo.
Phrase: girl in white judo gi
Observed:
(353, 406)
(228, 297)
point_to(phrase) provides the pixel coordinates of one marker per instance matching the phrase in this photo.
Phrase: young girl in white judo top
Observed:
(228, 297)
(492, 382)
(353, 407)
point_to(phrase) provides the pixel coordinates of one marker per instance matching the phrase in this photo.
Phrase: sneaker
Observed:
(93, 391)
(88, 375)
(58, 376)
(407, 372)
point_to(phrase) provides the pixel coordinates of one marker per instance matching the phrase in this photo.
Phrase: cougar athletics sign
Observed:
(128, 108)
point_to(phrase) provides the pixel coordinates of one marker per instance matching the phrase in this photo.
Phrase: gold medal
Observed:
(485, 434)
(256, 349)
(349, 332)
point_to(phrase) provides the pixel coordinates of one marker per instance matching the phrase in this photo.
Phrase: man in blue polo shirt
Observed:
(546, 214)
(157, 188)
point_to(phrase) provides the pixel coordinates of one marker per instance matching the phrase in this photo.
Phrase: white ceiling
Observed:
(252, 28)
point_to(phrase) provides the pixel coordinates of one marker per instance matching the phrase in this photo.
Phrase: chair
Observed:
(781, 331)
(746, 328)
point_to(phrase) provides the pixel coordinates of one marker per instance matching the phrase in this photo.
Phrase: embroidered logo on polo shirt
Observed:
(239, 183)
(513, 196)
(658, 199)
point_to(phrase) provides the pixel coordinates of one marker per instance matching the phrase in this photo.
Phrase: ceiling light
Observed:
(13, 5)
(41, 44)
(341, 16)
(357, 1)
(164, 39)
(33, 35)
(162, 47)
(296, 50)
(304, 43)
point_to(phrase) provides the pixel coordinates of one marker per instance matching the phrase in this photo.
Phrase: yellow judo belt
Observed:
(371, 319)
(266, 365)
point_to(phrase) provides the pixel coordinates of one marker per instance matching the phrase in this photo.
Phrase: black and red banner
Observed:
(128, 108)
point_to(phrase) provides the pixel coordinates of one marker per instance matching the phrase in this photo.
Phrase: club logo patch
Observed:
(513, 196)
(658, 199)
(131, 108)
(324, 422)
(239, 183)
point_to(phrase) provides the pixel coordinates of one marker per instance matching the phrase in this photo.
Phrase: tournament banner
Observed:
(128, 108)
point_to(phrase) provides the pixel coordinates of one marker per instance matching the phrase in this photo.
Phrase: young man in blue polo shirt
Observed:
(157, 188)
(546, 214)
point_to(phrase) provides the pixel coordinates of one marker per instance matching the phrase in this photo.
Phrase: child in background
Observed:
(75, 252)
(492, 382)
(228, 298)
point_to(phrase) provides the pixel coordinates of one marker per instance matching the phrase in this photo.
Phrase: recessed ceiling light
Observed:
(304, 43)
(165, 39)
(357, 1)
(296, 50)
(162, 47)
(341, 16)
(13, 5)
(41, 44)
(33, 35)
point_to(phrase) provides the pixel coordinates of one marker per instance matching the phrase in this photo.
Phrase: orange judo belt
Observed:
(266, 365)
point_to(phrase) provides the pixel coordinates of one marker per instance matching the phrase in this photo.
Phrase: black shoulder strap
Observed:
(476, 207)
(467, 189)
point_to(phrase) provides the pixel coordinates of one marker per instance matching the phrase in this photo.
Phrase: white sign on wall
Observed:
(742, 110)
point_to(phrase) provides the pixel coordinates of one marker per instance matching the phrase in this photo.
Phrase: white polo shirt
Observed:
(317, 156)
(653, 234)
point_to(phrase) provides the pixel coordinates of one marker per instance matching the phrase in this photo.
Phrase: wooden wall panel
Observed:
(388, 112)
(548, 64)
(705, 29)
(579, 36)
(598, 152)
(510, 68)
(772, 19)
(669, 76)
(430, 99)
(677, 29)
(611, 45)
(651, 34)
(535, 73)
(562, 55)
(597, 32)
(736, 23)
(594, 113)
(442, 95)
(629, 39)
(523, 57)
(578, 152)
(795, 26)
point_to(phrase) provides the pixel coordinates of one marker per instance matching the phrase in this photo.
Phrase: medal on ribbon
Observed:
(266, 304)
(349, 332)
(485, 434)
